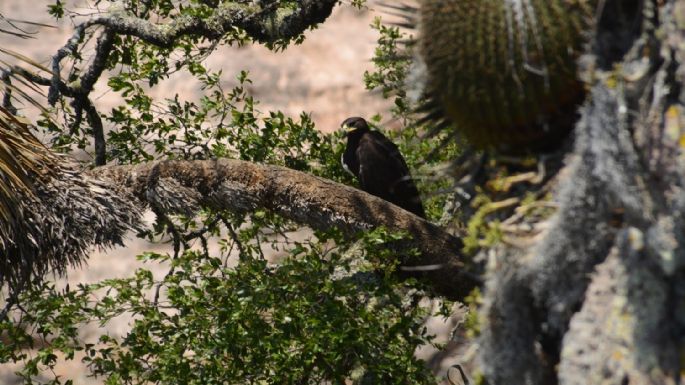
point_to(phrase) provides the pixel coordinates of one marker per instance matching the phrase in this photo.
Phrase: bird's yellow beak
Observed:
(348, 129)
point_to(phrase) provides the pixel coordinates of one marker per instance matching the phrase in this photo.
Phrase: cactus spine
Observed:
(502, 70)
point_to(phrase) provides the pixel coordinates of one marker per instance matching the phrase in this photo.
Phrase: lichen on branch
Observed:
(235, 185)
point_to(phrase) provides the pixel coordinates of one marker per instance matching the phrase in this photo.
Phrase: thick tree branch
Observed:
(99, 63)
(98, 130)
(264, 23)
(69, 47)
(236, 185)
(267, 24)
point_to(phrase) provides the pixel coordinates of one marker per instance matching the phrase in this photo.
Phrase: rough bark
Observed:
(596, 299)
(228, 184)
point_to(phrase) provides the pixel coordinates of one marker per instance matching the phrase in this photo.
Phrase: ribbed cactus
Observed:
(502, 70)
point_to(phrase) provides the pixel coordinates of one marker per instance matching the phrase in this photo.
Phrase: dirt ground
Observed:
(322, 76)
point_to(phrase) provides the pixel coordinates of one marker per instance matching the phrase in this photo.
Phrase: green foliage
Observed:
(56, 10)
(472, 323)
(481, 231)
(221, 124)
(137, 65)
(392, 66)
(331, 311)
(307, 320)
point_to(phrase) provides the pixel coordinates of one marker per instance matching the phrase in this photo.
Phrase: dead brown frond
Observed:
(23, 159)
(50, 213)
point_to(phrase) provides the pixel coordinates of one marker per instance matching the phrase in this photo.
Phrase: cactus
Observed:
(503, 72)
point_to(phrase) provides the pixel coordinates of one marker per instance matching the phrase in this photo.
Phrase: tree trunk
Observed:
(599, 299)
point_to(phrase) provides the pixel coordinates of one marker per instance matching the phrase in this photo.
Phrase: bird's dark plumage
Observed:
(379, 167)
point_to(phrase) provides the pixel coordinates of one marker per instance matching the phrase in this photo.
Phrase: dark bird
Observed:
(379, 167)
